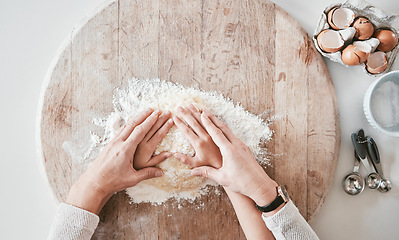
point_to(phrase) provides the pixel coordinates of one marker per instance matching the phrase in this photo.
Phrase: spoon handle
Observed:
(372, 151)
(356, 166)
(358, 141)
(358, 145)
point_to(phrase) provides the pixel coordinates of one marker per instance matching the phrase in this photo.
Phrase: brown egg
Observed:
(388, 40)
(349, 57)
(376, 62)
(340, 18)
(364, 28)
(330, 41)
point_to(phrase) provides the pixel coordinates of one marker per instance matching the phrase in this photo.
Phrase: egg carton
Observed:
(378, 17)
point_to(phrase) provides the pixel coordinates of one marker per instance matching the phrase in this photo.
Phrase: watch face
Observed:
(284, 193)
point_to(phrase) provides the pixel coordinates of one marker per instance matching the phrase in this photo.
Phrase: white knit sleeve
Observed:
(71, 222)
(288, 224)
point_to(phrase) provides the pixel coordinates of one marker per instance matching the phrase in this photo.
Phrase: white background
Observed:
(32, 31)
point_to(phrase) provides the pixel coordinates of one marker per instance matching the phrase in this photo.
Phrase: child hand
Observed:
(143, 155)
(206, 151)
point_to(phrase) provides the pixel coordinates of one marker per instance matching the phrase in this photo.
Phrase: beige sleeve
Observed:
(71, 222)
(288, 224)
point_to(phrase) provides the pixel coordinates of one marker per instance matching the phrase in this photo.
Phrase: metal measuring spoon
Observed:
(374, 155)
(373, 180)
(353, 183)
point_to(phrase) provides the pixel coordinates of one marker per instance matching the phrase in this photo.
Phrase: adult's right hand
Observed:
(240, 172)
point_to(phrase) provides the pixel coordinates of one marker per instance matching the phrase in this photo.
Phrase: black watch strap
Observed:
(282, 197)
(272, 206)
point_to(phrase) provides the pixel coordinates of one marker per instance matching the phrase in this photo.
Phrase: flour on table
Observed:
(177, 181)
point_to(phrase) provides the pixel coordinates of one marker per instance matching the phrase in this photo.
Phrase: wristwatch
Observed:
(282, 197)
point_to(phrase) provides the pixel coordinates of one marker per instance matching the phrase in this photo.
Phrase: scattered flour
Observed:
(177, 181)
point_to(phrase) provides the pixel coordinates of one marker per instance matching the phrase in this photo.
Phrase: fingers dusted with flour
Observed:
(134, 122)
(113, 170)
(161, 133)
(196, 114)
(192, 122)
(190, 135)
(221, 125)
(159, 158)
(141, 130)
(191, 161)
(144, 174)
(208, 172)
(206, 151)
(163, 118)
(216, 133)
(238, 163)
(143, 156)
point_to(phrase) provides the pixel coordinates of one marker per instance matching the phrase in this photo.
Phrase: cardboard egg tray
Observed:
(378, 17)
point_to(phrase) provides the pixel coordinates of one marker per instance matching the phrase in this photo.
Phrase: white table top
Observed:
(32, 31)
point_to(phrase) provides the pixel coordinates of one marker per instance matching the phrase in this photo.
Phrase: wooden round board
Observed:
(251, 51)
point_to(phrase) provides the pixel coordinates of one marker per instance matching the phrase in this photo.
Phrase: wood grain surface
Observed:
(251, 51)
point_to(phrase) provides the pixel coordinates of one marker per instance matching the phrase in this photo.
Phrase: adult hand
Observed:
(239, 172)
(113, 170)
(206, 151)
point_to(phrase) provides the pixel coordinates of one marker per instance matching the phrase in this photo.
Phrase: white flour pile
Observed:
(177, 181)
(385, 105)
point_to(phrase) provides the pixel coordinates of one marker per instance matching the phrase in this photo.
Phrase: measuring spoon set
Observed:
(366, 152)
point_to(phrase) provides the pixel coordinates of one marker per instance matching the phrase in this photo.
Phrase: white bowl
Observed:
(381, 104)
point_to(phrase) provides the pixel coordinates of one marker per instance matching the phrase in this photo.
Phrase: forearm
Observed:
(249, 216)
(85, 194)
